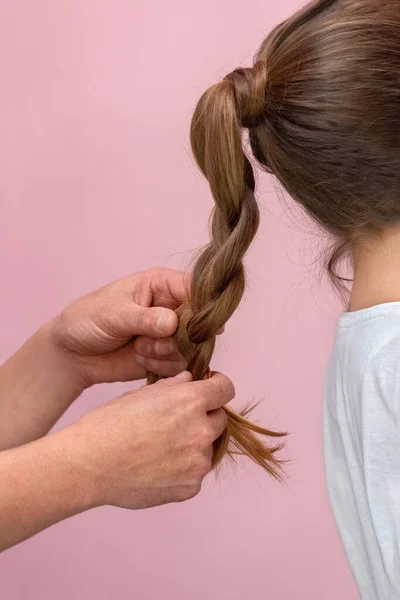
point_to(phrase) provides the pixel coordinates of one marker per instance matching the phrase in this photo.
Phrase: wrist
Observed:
(65, 362)
(37, 384)
(73, 460)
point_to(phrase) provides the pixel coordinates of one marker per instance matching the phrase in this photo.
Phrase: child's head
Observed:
(322, 107)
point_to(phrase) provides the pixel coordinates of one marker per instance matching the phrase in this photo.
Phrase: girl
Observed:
(321, 105)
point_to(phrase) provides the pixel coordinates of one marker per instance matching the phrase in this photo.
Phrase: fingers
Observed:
(164, 349)
(183, 377)
(213, 393)
(169, 287)
(159, 356)
(155, 322)
(216, 391)
(163, 368)
(218, 420)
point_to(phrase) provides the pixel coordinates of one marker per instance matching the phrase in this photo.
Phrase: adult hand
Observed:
(123, 331)
(146, 448)
(154, 445)
(118, 333)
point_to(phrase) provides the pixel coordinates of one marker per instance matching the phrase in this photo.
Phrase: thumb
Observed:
(183, 377)
(155, 322)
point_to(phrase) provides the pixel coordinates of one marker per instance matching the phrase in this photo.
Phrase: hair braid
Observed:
(218, 279)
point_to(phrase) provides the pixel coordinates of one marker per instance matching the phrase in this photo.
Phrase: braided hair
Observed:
(218, 279)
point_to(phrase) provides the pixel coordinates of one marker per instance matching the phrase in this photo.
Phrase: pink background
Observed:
(96, 182)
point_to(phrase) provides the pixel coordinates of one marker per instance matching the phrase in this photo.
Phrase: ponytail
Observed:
(218, 279)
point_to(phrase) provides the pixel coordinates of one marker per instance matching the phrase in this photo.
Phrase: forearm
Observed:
(37, 384)
(41, 483)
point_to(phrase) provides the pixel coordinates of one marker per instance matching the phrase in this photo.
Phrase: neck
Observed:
(376, 270)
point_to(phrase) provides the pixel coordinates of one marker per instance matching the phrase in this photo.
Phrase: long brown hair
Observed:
(321, 104)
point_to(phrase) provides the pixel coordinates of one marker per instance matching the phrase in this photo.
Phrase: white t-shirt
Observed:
(362, 445)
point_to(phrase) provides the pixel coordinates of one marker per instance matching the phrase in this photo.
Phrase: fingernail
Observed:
(140, 360)
(164, 348)
(162, 321)
(144, 348)
(184, 375)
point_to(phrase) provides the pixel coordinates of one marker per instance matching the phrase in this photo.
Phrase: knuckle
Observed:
(223, 418)
(231, 391)
(194, 401)
(200, 464)
(188, 491)
(153, 271)
(204, 466)
(205, 436)
(226, 387)
(194, 489)
(155, 275)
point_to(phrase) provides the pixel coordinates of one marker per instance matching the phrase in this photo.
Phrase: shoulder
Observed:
(370, 335)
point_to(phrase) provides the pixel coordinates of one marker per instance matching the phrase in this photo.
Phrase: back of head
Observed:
(330, 127)
(321, 105)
